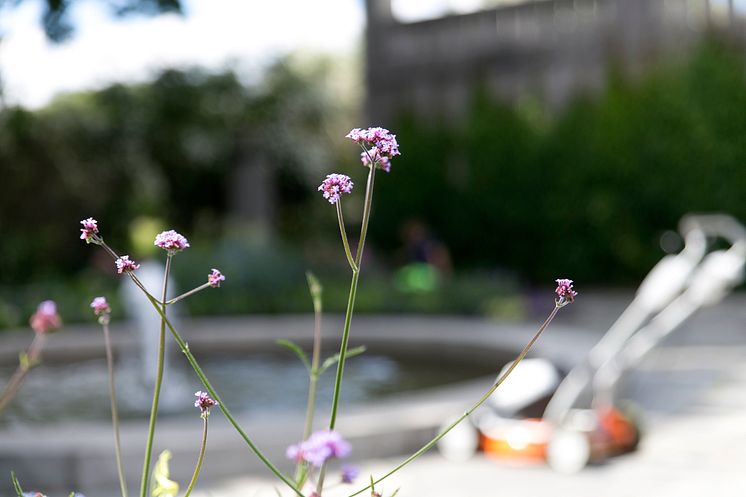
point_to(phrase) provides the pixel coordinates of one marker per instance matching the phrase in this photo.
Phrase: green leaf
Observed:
(395, 492)
(314, 285)
(330, 361)
(163, 485)
(315, 289)
(16, 485)
(296, 349)
(72, 494)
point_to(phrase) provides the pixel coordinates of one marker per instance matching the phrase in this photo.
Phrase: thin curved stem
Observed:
(14, 384)
(211, 390)
(343, 232)
(366, 215)
(313, 375)
(201, 456)
(349, 312)
(187, 294)
(158, 383)
(205, 382)
(315, 359)
(114, 410)
(478, 403)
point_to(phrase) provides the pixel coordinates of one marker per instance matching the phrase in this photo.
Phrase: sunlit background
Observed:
(539, 139)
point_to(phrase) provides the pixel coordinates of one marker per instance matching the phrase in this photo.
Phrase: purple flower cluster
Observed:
(46, 319)
(379, 144)
(171, 241)
(349, 473)
(334, 185)
(124, 264)
(214, 278)
(100, 306)
(319, 447)
(204, 402)
(565, 292)
(89, 229)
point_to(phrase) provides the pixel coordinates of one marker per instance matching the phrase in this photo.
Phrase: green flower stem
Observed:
(158, 383)
(351, 298)
(208, 386)
(201, 457)
(187, 294)
(114, 410)
(32, 357)
(366, 214)
(481, 401)
(342, 230)
(315, 358)
(349, 312)
(158, 306)
(313, 374)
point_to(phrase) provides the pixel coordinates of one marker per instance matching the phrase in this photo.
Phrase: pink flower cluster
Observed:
(379, 144)
(334, 185)
(214, 278)
(89, 229)
(124, 264)
(565, 292)
(204, 402)
(171, 241)
(46, 319)
(100, 306)
(319, 447)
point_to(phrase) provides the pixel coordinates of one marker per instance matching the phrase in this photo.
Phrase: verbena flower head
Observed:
(204, 402)
(380, 139)
(46, 319)
(215, 277)
(349, 473)
(565, 293)
(89, 230)
(334, 185)
(319, 447)
(100, 306)
(171, 241)
(124, 264)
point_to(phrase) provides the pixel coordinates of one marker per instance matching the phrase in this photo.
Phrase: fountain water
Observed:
(147, 323)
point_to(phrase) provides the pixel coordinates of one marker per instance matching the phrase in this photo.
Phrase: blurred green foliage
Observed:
(587, 193)
(515, 194)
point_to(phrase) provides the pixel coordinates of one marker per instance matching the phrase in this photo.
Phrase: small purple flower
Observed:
(380, 144)
(349, 473)
(319, 447)
(171, 241)
(46, 319)
(565, 293)
(334, 185)
(124, 264)
(215, 278)
(204, 402)
(100, 306)
(89, 229)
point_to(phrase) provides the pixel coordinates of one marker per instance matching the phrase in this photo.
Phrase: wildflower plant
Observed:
(316, 449)
(44, 321)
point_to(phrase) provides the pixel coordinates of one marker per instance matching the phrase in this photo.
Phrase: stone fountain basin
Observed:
(80, 455)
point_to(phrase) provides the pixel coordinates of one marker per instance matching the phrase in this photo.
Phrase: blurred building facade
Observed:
(552, 49)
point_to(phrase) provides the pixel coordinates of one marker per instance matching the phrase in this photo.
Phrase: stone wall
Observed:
(552, 49)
